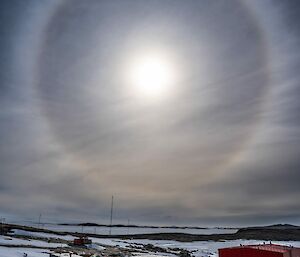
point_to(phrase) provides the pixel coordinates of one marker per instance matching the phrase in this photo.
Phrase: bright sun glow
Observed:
(151, 76)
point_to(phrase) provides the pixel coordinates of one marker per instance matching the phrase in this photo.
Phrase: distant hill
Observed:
(90, 224)
(283, 226)
(275, 226)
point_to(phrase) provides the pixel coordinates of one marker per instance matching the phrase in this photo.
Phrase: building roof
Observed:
(267, 247)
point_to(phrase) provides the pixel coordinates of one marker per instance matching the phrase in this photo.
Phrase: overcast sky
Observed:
(221, 146)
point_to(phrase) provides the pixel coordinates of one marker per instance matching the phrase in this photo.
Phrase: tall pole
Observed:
(128, 227)
(39, 220)
(111, 213)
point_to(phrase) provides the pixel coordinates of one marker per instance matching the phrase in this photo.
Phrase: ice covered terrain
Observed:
(41, 234)
(206, 248)
(196, 248)
(19, 252)
(7, 240)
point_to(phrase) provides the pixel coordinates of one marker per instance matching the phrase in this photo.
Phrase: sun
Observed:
(151, 75)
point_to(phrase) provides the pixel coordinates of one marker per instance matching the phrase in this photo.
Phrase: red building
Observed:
(264, 250)
(82, 241)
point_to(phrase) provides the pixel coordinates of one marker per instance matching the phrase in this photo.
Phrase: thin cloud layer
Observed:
(220, 148)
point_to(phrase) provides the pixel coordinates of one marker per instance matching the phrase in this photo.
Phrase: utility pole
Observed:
(1, 232)
(111, 213)
(128, 227)
(40, 216)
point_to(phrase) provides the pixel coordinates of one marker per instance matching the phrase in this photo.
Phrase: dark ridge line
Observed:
(91, 224)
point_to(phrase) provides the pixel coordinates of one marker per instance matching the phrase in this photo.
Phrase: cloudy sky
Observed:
(188, 112)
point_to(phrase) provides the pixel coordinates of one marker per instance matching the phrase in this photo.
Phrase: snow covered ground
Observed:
(19, 252)
(31, 252)
(198, 248)
(7, 240)
(208, 248)
(41, 234)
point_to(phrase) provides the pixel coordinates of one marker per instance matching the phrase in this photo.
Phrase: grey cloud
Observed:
(222, 149)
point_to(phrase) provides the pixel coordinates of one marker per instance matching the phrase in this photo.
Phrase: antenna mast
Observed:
(40, 216)
(111, 213)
